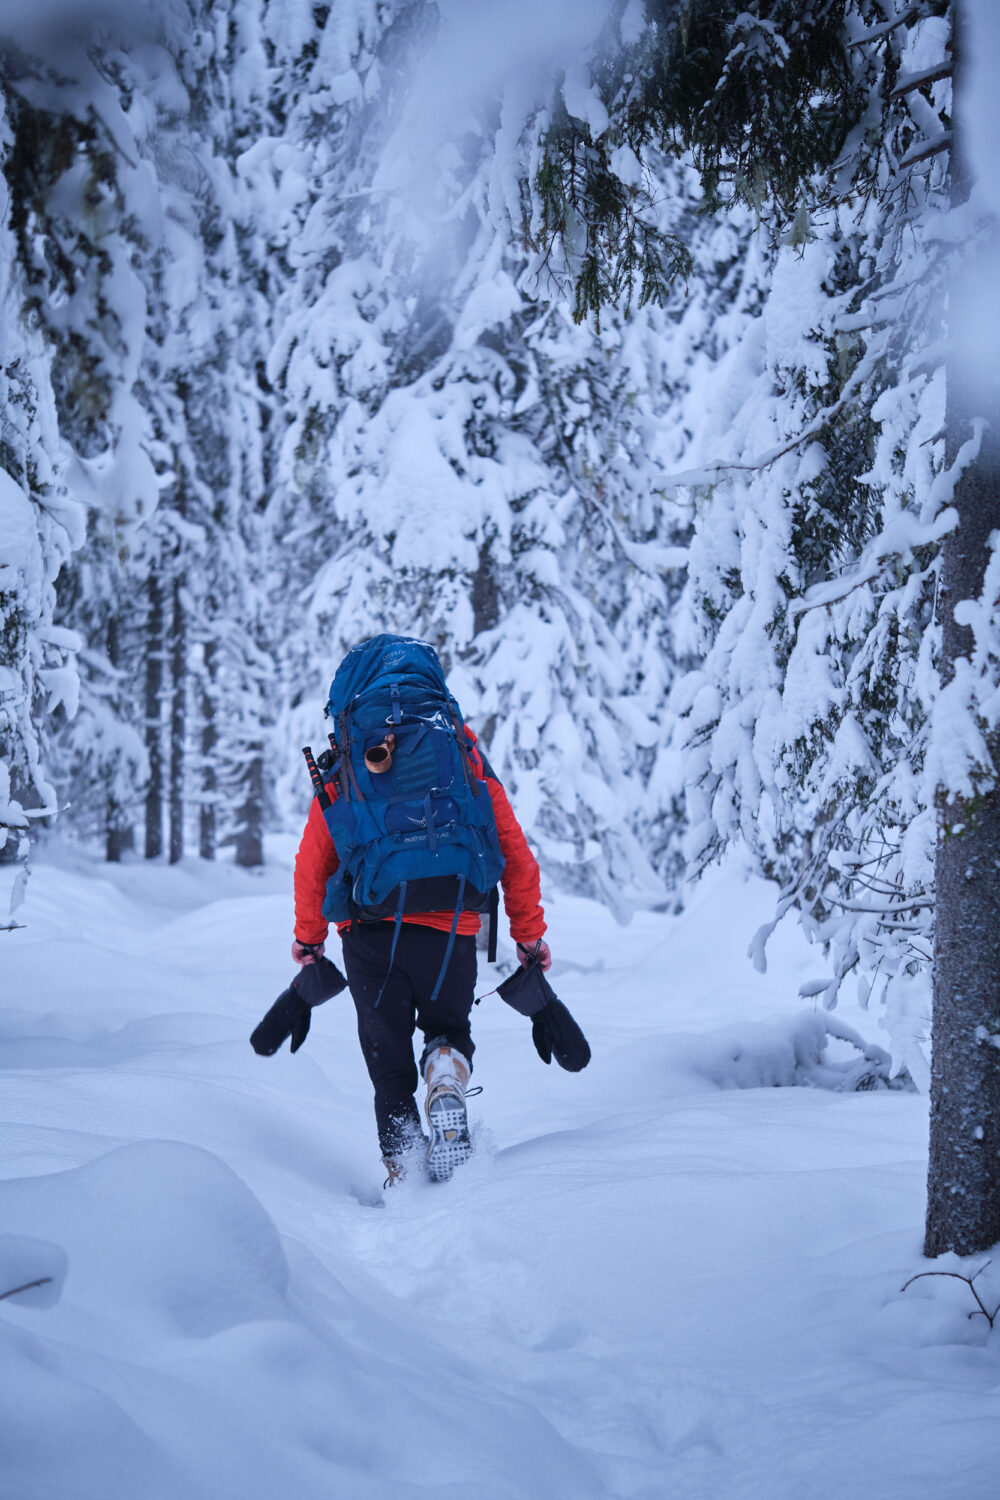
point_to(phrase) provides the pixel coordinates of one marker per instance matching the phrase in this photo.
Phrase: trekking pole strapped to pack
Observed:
(322, 795)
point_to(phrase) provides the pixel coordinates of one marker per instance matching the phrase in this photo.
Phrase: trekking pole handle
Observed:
(316, 778)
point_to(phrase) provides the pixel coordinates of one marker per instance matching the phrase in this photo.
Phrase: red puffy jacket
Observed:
(317, 860)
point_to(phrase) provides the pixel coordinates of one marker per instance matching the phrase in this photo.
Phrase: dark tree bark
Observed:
(207, 829)
(963, 1203)
(119, 838)
(154, 730)
(485, 594)
(250, 819)
(178, 721)
(119, 833)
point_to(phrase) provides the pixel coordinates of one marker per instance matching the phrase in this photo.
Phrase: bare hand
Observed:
(528, 952)
(306, 953)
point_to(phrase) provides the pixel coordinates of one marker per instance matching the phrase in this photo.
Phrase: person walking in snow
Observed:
(407, 836)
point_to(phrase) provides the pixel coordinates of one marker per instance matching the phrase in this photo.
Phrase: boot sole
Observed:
(449, 1144)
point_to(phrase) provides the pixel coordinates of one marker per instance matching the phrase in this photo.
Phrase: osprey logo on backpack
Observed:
(417, 834)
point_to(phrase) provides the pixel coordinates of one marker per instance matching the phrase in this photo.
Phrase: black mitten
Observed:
(556, 1034)
(288, 1017)
(527, 990)
(318, 981)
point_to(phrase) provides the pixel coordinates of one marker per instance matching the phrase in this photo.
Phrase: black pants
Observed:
(386, 1028)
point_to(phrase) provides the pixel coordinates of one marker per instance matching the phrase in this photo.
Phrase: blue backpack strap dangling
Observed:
(396, 926)
(451, 941)
(491, 935)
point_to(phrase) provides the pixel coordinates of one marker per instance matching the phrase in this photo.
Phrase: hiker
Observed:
(411, 785)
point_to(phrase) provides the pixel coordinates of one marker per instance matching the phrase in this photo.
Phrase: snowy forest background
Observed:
(290, 357)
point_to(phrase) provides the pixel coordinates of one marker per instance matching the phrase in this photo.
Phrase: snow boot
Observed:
(446, 1074)
(395, 1166)
(408, 1154)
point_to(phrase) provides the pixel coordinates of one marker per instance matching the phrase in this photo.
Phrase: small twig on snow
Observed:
(970, 1283)
(29, 1286)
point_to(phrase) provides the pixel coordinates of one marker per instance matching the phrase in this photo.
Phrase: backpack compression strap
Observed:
(345, 749)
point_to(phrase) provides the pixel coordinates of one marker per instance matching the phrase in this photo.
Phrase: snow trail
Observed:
(653, 1280)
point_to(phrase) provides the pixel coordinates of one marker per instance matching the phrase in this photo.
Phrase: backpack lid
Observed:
(388, 658)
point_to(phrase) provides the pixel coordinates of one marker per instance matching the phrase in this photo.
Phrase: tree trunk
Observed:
(154, 729)
(118, 839)
(963, 1205)
(178, 722)
(119, 833)
(250, 834)
(207, 831)
(963, 1202)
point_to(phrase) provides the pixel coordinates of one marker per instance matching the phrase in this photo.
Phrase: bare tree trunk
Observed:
(119, 833)
(154, 729)
(250, 835)
(207, 829)
(117, 839)
(178, 722)
(963, 1204)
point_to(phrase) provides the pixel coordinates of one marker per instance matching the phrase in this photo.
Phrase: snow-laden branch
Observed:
(904, 534)
(903, 18)
(706, 473)
(919, 80)
(922, 153)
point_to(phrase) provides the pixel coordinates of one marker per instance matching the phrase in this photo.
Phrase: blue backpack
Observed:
(412, 822)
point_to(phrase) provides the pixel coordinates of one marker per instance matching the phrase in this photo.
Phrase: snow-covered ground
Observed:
(664, 1277)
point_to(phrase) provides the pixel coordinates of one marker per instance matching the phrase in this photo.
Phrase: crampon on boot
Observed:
(446, 1074)
(408, 1151)
(395, 1168)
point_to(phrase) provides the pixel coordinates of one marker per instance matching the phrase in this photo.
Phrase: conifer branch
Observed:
(879, 33)
(800, 607)
(819, 423)
(916, 904)
(923, 153)
(913, 81)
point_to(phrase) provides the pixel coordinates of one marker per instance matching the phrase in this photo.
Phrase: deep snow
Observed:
(664, 1277)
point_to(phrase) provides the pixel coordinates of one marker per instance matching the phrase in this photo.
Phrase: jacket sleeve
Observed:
(315, 862)
(520, 882)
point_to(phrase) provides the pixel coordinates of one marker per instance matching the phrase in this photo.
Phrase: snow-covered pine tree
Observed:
(181, 593)
(824, 608)
(193, 386)
(36, 538)
(808, 418)
(77, 213)
(461, 462)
